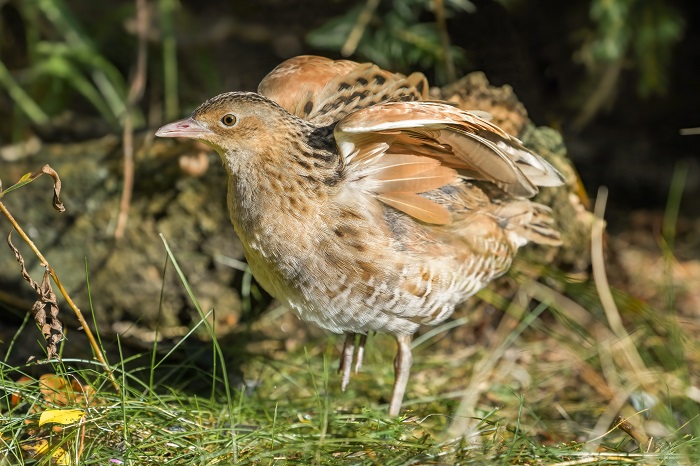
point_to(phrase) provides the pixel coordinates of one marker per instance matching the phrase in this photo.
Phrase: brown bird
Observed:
(362, 206)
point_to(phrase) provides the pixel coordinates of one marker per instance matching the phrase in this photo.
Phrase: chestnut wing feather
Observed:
(392, 149)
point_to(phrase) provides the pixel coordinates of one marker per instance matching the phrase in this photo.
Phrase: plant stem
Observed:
(86, 328)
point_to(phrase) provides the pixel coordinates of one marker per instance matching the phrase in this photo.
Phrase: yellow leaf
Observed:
(35, 447)
(61, 456)
(60, 416)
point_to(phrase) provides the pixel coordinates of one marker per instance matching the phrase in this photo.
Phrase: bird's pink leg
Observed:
(360, 352)
(402, 367)
(346, 357)
(346, 360)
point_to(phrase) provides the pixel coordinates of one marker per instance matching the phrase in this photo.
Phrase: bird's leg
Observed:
(346, 360)
(346, 357)
(360, 352)
(402, 367)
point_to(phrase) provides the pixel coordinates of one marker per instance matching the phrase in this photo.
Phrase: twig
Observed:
(643, 440)
(136, 89)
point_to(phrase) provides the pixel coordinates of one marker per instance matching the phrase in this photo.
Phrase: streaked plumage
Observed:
(364, 207)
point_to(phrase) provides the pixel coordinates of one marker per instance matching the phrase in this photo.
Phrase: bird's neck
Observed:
(285, 183)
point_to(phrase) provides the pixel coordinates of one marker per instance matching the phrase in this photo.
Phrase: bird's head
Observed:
(234, 123)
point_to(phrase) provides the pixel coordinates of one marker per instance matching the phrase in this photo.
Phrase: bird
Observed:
(365, 206)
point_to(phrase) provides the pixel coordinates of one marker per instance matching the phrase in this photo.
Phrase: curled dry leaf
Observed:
(57, 391)
(57, 204)
(46, 319)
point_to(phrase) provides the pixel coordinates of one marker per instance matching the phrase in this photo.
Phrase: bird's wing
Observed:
(323, 91)
(398, 150)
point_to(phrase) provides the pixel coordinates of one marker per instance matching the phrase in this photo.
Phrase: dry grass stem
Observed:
(464, 417)
(138, 84)
(646, 443)
(81, 319)
(605, 295)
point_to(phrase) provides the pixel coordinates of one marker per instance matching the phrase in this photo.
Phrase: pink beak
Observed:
(187, 128)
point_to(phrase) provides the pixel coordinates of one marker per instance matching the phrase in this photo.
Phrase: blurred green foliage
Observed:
(62, 59)
(640, 32)
(395, 35)
(58, 54)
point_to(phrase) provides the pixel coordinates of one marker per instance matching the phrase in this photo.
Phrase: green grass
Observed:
(543, 384)
(532, 407)
(295, 414)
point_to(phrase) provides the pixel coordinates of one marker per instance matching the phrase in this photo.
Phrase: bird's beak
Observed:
(187, 128)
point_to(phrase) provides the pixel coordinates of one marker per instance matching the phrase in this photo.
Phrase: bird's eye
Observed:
(229, 119)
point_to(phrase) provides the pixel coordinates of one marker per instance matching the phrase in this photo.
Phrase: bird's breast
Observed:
(350, 264)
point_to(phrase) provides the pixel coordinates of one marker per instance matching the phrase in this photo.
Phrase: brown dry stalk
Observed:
(46, 169)
(464, 419)
(645, 442)
(138, 84)
(600, 279)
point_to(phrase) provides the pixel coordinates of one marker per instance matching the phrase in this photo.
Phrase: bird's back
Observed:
(323, 91)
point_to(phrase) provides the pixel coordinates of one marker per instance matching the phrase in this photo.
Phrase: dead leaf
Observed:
(61, 416)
